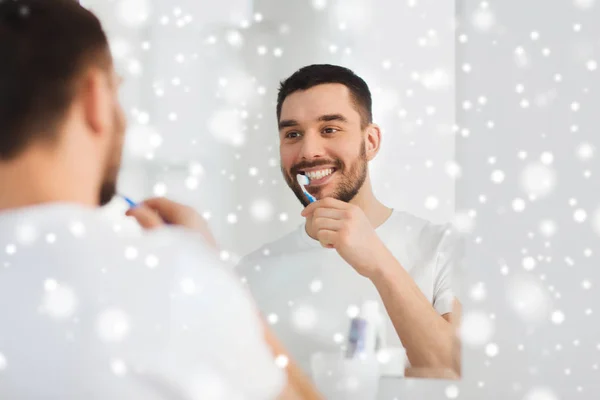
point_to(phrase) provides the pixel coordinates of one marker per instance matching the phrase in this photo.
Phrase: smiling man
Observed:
(352, 248)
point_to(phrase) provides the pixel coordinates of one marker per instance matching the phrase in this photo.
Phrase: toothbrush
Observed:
(130, 202)
(133, 204)
(303, 180)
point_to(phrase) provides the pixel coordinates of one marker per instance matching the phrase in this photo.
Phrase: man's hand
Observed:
(346, 228)
(156, 212)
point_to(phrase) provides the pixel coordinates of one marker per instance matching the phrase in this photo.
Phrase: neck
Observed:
(376, 212)
(38, 177)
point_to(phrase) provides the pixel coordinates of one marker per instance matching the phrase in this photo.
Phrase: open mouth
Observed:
(319, 176)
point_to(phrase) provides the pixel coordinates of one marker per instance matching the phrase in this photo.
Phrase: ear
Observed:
(373, 141)
(95, 94)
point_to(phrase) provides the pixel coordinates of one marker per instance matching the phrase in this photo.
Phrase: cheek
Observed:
(288, 157)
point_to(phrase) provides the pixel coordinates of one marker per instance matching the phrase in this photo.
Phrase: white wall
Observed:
(225, 100)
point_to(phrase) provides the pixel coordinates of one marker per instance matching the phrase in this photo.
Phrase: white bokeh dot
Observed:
(26, 234)
(497, 176)
(304, 318)
(476, 328)
(431, 203)
(537, 179)
(548, 227)
(159, 189)
(580, 215)
(77, 229)
(540, 393)
(261, 210)
(319, 4)
(518, 204)
(557, 317)
(118, 367)
(478, 292)
(529, 300)
(232, 218)
(60, 302)
(584, 4)
(113, 325)
(11, 249)
(133, 13)
(272, 318)
(491, 350)
(547, 158)
(281, 361)
(151, 261)
(316, 286)
(452, 391)
(131, 253)
(483, 19)
(50, 284)
(529, 263)
(234, 38)
(188, 286)
(585, 151)
(352, 311)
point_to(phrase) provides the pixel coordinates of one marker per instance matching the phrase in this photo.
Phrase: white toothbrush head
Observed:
(302, 180)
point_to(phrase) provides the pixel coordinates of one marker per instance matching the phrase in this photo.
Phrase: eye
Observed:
(292, 135)
(329, 131)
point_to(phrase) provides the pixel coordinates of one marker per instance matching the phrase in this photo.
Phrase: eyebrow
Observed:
(332, 117)
(287, 123)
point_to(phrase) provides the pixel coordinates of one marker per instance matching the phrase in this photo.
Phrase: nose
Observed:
(312, 147)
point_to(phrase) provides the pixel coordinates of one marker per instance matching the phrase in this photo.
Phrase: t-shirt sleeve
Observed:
(218, 323)
(449, 264)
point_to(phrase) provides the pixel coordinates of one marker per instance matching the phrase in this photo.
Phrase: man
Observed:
(352, 248)
(84, 314)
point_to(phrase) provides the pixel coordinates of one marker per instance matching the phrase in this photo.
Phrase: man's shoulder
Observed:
(411, 223)
(429, 235)
(286, 245)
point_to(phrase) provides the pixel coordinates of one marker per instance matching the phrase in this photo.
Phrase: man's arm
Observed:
(430, 339)
(298, 385)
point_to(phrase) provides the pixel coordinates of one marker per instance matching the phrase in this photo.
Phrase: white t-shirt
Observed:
(309, 292)
(86, 314)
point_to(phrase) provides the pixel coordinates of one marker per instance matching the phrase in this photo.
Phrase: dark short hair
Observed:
(319, 74)
(44, 47)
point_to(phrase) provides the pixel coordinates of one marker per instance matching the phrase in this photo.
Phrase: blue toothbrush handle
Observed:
(130, 202)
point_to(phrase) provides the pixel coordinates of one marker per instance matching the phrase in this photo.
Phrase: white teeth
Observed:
(315, 175)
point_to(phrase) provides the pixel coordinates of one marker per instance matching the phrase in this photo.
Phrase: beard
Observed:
(108, 186)
(108, 189)
(351, 179)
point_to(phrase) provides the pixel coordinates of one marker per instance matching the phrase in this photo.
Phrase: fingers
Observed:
(327, 223)
(174, 213)
(168, 210)
(327, 202)
(331, 213)
(146, 217)
(327, 238)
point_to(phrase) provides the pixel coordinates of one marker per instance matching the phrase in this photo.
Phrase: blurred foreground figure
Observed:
(85, 314)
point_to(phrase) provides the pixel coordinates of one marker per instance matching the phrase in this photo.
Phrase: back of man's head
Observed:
(44, 45)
